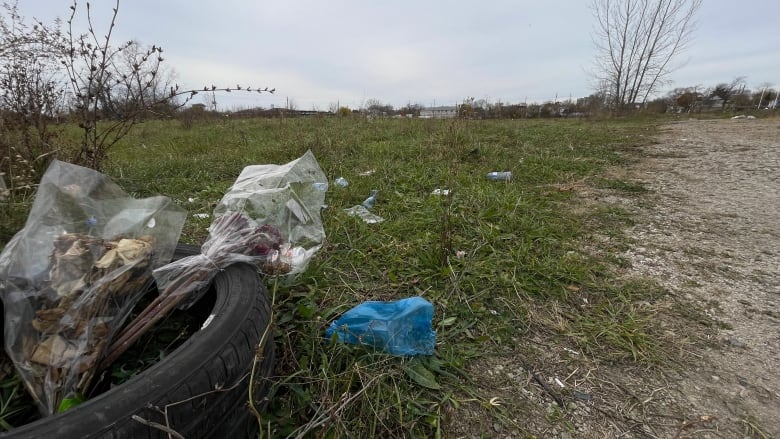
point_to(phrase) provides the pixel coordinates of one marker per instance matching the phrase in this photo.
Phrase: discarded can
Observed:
(500, 176)
(341, 181)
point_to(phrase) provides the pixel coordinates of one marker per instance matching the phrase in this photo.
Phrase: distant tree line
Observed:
(52, 73)
(731, 96)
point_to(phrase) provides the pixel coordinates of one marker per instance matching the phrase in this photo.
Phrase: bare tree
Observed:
(118, 85)
(636, 42)
(30, 98)
(726, 91)
(375, 107)
(106, 88)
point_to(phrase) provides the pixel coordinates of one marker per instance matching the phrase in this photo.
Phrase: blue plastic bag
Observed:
(402, 327)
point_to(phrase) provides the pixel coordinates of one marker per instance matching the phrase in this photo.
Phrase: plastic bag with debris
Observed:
(71, 276)
(269, 217)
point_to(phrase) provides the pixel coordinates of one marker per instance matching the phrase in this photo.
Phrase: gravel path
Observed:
(713, 236)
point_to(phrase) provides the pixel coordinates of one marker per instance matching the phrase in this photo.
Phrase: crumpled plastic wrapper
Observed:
(72, 275)
(270, 217)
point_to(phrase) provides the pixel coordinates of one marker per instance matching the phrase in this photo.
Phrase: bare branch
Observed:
(636, 41)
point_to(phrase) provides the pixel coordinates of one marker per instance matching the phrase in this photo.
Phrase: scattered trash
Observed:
(363, 213)
(190, 200)
(559, 383)
(571, 351)
(268, 209)
(402, 327)
(207, 322)
(499, 176)
(460, 254)
(201, 215)
(72, 275)
(270, 218)
(444, 192)
(742, 116)
(288, 256)
(371, 200)
(367, 173)
(341, 182)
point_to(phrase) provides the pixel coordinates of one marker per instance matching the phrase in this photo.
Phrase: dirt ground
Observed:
(707, 230)
(713, 236)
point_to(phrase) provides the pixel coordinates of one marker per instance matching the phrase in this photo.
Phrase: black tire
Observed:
(204, 383)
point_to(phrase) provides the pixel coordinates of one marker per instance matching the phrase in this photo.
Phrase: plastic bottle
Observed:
(341, 181)
(499, 176)
(369, 202)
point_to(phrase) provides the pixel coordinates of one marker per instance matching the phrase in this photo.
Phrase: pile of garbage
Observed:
(88, 252)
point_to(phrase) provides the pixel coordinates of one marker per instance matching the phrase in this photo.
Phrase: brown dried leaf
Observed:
(54, 351)
(47, 321)
(127, 252)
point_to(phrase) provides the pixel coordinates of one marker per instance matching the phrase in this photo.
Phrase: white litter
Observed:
(207, 322)
(364, 214)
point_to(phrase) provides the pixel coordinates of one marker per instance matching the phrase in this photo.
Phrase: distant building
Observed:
(439, 112)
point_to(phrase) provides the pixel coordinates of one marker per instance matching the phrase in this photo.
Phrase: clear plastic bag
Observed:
(402, 327)
(269, 217)
(71, 276)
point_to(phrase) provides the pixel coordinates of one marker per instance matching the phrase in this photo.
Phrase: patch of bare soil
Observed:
(713, 237)
(708, 231)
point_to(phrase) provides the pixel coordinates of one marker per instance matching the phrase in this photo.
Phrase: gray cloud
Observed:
(318, 53)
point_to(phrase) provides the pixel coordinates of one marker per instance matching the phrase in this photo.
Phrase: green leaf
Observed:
(306, 311)
(71, 402)
(416, 370)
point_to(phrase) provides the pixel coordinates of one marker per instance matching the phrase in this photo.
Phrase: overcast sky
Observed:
(319, 52)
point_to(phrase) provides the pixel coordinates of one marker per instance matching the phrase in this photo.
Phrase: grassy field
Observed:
(504, 263)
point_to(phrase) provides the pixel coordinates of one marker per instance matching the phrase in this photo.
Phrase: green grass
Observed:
(489, 256)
